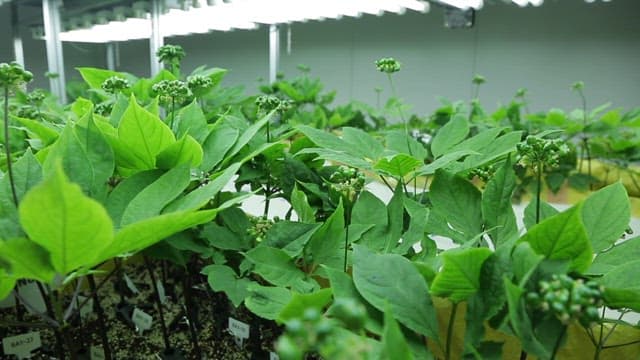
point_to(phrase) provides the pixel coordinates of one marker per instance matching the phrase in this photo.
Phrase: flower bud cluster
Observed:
(535, 150)
(268, 103)
(103, 109)
(348, 183)
(199, 84)
(36, 97)
(388, 65)
(115, 84)
(260, 226)
(12, 75)
(304, 335)
(172, 91)
(170, 54)
(568, 299)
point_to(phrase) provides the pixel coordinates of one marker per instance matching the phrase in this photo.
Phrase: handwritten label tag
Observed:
(273, 356)
(131, 285)
(21, 345)
(31, 294)
(161, 292)
(239, 330)
(142, 320)
(97, 353)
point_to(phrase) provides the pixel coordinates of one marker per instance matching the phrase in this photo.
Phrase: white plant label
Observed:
(131, 285)
(273, 356)
(161, 293)
(87, 308)
(142, 320)
(239, 330)
(31, 294)
(97, 353)
(21, 345)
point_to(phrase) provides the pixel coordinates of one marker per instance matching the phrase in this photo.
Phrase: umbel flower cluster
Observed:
(535, 151)
(388, 65)
(172, 91)
(12, 75)
(199, 84)
(170, 54)
(348, 183)
(568, 299)
(115, 84)
(268, 103)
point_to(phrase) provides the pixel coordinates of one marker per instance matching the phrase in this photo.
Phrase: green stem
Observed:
(156, 293)
(621, 345)
(585, 142)
(173, 112)
(267, 192)
(402, 117)
(7, 146)
(538, 190)
(346, 237)
(52, 315)
(452, 319)
(556, 347)
(104, 338)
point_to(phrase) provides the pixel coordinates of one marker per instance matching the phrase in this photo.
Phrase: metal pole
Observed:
(274, 52)
(111, 56)
(156, 40)
(55, 57)
(18, 51)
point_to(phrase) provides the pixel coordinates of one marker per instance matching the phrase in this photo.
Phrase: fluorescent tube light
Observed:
(464, 4)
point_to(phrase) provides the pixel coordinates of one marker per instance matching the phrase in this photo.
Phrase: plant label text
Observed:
(21, 345)
(142, 320)
(239, 330)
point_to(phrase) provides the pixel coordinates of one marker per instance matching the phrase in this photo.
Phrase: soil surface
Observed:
(211, 312)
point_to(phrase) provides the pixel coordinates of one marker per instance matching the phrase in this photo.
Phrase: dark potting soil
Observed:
(212, 312)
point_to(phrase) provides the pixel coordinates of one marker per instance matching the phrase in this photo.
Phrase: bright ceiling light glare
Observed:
(521, 3)
(536, 2)
(245, 14)
(464, 4)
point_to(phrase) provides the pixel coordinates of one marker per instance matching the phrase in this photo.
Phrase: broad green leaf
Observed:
(27, 260)
(120, 106)
(394, 345)
(7, 283)
(452, 133)
(275, 266)
(327, 243)
(71, 226)
(606, 215)
(95, 77)
(290, 236)
(395, 211)
(362, 143)
(458, 202)
(400, 142)
(191, 120)
(267, 301)
(398, 166)
(341, 157)
(525, 261)
(143, 134)
(128, 189)
(301, 206)
(38, 130)
(562, 237)
(622, 288)
(444, 162)
(150, 201)
(184, 151)
(459, 277)
(300, 302)
(520, 322)
(497, 207)
(493, 150)
(100, 156)
(26, 173)
(621, 254)
(217, 145)
(203, 194)
(141, 234)
(224, 278)
(327, 140)
(546, 210)
(419, 215)
(222, 238)
(246, 136)
(81, 106)
(392, 279)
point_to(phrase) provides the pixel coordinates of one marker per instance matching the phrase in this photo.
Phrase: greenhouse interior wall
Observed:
(543, 49)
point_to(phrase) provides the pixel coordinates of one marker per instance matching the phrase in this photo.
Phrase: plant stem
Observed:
(267, 191)
(101, 317)
(452, 319)
(7, 146)
(556, 347)
(347, 216)
(51, 314)
(402, 117)
(173, 112)
(585, 142)
(189, 311)
(538, 190)
(156, 293)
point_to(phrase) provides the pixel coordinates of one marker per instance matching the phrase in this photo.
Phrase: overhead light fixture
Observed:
(464, 4)
(202, 16)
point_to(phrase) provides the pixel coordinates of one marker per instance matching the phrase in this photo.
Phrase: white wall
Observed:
(543, 49)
